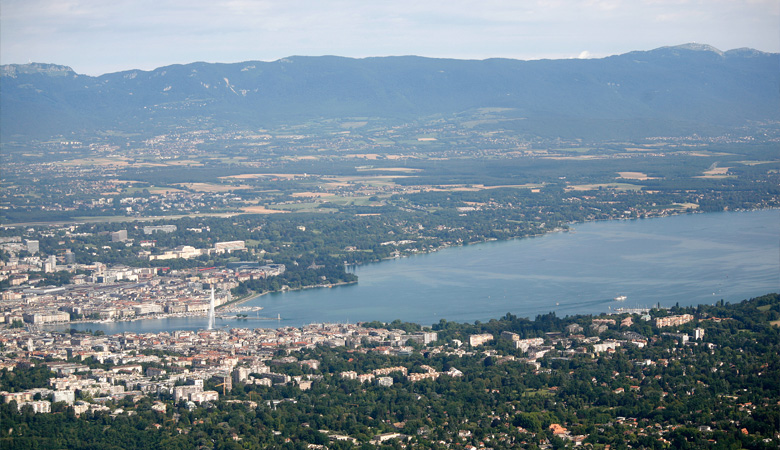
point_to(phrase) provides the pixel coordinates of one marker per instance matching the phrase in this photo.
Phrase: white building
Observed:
(183, 252)
(147, 308)
(42, 406)
(151, 229)
(384, 381)
(672, 321)
(204, 396)
(46, 317)
(604, 346)
(64, 396)
(479, 339)
(524, 344)
(229, 247)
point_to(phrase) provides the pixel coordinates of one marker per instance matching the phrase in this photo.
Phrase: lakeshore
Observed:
(685, 259)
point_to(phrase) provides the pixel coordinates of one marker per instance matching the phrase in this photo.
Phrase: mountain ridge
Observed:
(690, 87)
(692, 46)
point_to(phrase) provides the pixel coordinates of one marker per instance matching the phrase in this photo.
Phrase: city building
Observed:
(229, 247)
(70, 257)
(50, 265)
(479, 339)
(32, 246)
(46, 317)
(38, 407)
(151, 229)
(119, 236)
(384, 381)
(524, 344)
(64, 396)
(673, 321)
(423, 338)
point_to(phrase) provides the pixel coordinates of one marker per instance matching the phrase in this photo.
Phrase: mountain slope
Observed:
(689, 88)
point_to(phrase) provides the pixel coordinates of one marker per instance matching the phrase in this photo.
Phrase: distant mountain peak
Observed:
(12, 70)
(744, 52)
(694, 46)
(665, 91)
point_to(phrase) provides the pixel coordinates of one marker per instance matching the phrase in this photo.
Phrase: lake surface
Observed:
(687, 259)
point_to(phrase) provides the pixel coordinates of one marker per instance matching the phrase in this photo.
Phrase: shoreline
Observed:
(255, 295)
(164, 316)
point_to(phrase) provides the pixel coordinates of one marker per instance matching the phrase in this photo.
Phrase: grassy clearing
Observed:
(481, 187)
(493, 109)
(261, 210)
(537, 392)
(611, 186)
(96, 162)
(377, 180)
(634, 176)
(640, 149)
(755, 163)
(114, 219)
(389, 169)
(474, 123)
(573, 149)
(685, 206)
(252, 243)
(184, 162)
(151, 189)
(716, 172)
(579, 157)
(282, 176)
(347, 201)
(303, 207)
(352, 125)
(211, 187)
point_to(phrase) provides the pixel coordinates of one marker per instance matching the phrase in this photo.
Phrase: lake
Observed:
(686, 260)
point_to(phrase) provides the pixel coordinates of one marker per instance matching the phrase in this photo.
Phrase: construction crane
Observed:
(223, 388)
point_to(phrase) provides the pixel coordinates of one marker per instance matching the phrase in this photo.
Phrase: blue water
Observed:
(687, 259)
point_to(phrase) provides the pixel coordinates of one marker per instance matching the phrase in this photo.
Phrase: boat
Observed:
(620, 298)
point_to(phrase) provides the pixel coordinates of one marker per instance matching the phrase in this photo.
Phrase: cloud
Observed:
(584, 55)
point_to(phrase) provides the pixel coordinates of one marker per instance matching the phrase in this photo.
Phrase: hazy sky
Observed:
(101, 36)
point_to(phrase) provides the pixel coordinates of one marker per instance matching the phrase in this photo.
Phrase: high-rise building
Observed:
(698, 334)
(50, 265)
